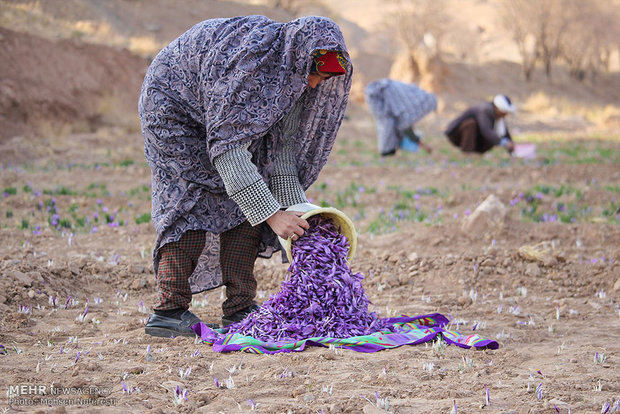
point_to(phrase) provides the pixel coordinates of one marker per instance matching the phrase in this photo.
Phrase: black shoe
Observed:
(239, 315)
(167, 327)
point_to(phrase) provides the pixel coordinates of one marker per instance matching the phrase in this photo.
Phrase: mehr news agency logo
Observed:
(51, 395)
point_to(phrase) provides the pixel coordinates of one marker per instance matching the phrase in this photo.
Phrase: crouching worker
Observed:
(238, 116)
(396, 107)
(483, 126)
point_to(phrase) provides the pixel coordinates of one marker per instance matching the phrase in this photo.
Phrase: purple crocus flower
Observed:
(605, 408)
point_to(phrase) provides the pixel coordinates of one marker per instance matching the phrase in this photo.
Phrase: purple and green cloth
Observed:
(323, 303)
(406, 331)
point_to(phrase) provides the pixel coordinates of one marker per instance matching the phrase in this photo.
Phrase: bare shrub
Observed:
(592, 38)
(538, 28)
(581, 33)
(420, 27)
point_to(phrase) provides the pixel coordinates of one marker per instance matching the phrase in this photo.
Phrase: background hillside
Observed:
(77, 65)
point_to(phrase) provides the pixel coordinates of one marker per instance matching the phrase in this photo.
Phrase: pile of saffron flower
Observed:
(321, 296)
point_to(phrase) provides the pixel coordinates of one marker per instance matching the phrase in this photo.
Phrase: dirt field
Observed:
(543, 280)
(556, 318)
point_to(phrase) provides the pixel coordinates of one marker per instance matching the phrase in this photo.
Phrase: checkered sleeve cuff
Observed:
(245, 186)
(256, 202)
(287, 190)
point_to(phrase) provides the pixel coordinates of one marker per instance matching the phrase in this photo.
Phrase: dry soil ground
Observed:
(70, 238)
(543, 281)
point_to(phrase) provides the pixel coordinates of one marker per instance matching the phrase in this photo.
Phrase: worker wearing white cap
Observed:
(482, 126)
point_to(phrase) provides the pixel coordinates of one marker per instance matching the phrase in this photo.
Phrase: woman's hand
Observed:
(288, 224)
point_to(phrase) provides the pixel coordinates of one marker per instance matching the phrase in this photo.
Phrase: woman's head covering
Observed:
(328, 61)
(235, 79)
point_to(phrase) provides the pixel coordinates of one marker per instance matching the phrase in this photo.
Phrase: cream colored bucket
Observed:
(341, 220)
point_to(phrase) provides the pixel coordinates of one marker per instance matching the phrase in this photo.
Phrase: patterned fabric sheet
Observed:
(408, 330)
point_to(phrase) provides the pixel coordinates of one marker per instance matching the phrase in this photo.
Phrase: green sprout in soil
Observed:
(143, 218)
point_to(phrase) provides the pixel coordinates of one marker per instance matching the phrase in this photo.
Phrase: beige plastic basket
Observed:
(342, 221)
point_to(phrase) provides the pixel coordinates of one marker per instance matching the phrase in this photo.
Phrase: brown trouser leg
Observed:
(466, 136)
(176, 264)
(238, 251)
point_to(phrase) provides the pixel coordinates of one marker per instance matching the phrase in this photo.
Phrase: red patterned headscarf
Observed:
(327, 61)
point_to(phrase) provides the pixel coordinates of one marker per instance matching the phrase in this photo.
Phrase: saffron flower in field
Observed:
(320, 297)
(605, 408)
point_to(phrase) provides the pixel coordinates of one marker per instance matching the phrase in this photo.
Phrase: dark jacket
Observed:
(484, 115)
